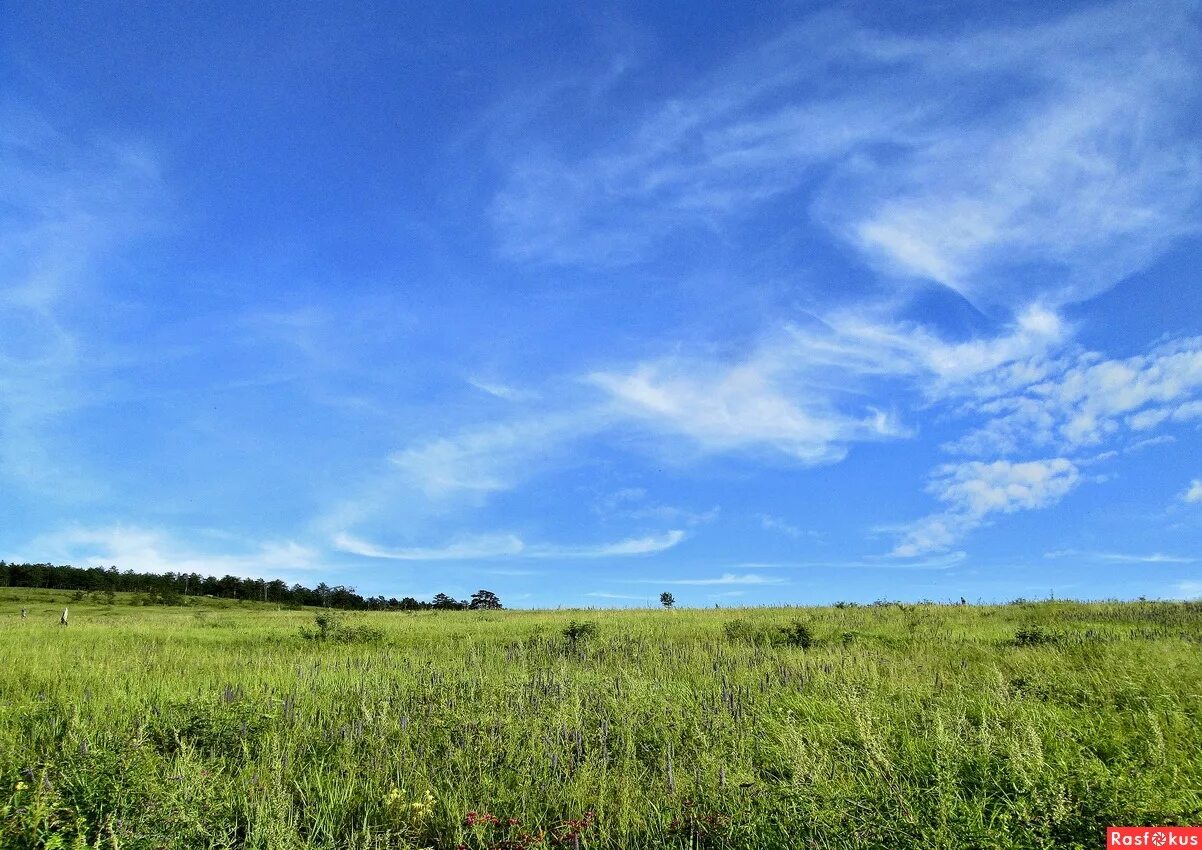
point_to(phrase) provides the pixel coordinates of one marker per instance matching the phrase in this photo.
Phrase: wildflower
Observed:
(21, 786)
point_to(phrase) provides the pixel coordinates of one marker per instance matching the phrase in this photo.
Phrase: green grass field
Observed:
(221, 724)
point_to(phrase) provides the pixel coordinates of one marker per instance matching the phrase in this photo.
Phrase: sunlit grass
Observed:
(222, 725)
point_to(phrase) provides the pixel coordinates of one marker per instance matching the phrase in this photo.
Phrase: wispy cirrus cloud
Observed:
(773, 523)
(503, 545)
(945, 561)
(806, 391)
(633, 503)
(779, 399)
(488, 546)
(739, 407)
(1082, 177)
(492, 457)
(725, 578)
(974, 491)
(1079, 171)
(1121, 557)
(1193, 493)
(68, 205)
(503, 391)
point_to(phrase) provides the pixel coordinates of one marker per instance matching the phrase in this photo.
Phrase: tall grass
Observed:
(213, 726)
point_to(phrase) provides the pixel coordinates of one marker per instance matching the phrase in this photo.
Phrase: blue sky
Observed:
(757, 304)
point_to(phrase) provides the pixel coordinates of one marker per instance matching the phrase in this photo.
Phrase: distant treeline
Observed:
(173, 588)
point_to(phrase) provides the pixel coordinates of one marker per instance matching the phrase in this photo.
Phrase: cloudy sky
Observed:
(768, 303)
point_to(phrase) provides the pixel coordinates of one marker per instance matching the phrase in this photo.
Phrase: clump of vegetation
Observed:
(1036, 636)
(578, 632)
(798, 634)
(745, 631)
(334, 628)
(795, 634)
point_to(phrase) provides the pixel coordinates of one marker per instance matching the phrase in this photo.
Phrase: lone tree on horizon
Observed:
(486, 600)
(667, 600)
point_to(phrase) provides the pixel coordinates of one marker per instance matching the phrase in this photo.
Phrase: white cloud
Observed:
(1189, 590)
(634, 546)
(771, 523)
(1061, 149)
(502, 391)
(864, 346)
(502, 545)
(1120, 557)
(489, 458)
(1151, 442)
(754, 404)
(150, 550)
(943, 561)
(727, 410)
(725, 578)
(1083, 399)
(1024, 166)
(975, 490)
(802, 391)
(1193, 493)
(1088, 176)
(632, 503)
(490, 546)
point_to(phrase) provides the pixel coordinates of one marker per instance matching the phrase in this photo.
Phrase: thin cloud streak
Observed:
(510, 545)
(725, 578)
(939, 562)
(1121, 557)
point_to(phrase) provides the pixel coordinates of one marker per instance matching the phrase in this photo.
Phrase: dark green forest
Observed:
(174, 589)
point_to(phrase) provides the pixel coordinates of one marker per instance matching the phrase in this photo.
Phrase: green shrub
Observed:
(578, 632)
(1035, 636)
(333, 627)
(797, 634)
(745, 631)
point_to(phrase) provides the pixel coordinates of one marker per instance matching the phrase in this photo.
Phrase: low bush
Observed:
(334, 628)
(797, 634)
(1035, 636)
(579, 631)
(745, 631)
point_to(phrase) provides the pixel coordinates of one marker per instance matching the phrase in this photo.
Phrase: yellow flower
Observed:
(21, 786)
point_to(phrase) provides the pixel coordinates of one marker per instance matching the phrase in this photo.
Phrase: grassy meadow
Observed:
(237, 725)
